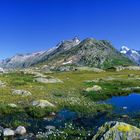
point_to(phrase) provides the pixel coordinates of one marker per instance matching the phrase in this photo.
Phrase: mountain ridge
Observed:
(88, 52)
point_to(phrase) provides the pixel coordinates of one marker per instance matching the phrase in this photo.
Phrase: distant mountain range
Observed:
(88, 52)
(134, 55)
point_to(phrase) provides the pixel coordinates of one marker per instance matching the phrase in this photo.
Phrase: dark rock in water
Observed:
(117, 131)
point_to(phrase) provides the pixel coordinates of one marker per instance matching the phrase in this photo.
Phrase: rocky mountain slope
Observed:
(89, 52)
(20, 60)
(132, 54)
(27, 60)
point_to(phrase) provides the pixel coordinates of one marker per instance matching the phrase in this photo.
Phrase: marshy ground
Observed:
(75, 94)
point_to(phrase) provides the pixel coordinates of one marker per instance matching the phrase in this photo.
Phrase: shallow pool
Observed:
(125, 104)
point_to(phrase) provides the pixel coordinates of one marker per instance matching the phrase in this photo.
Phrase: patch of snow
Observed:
(135, 52)
(124, 49)
(76, 40)
(1, 70)
(69, 62)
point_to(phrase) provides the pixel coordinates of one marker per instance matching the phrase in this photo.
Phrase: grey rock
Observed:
(94, 88)
(2, 70)
(21, 130)
(21, 92)
(131, 75)
(132, 68)
(86, 68)
(42, 103)
(49, 80)
(2, 84)
(50, 127)
(8, 132)
(33, 72)
(125, 116)
(131, 89)
(12, 105)
(117, 131)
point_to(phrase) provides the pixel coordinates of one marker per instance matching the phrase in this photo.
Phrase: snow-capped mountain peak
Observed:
(124, 49)
(134, 55)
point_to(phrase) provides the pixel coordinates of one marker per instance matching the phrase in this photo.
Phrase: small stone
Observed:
(21, 130)
(21, 92)
(2, 70)
(50, 127)
(2, 84)
(131, 75)
(94, 88)
(125, 116)
(52, 113)
(8, 132)
(49, 118)
(12, 105)
(48, 80)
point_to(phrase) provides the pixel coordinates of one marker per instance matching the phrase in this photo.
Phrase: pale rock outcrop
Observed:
(8, 132)
(117, 131)
(21, 92)
(21, 130)
(42, 103)
(48, 80)
(2, 84)
(94, 88)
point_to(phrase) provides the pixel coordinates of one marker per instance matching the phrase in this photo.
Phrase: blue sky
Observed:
(34, 25)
